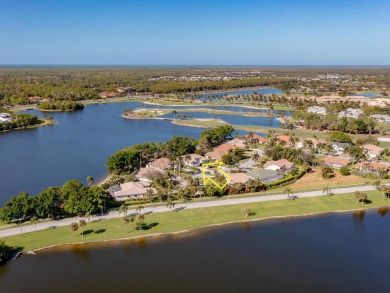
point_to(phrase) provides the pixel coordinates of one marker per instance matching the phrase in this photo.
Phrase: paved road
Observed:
(196, 205)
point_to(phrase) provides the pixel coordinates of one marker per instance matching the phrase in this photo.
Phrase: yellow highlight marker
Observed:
(206, 179)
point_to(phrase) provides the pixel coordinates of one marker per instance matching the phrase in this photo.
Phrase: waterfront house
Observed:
(263, 175)
(160, 164)
(5, 117)
(130, 190)
(335, 162)
(254, 138)
(220, 151)
(240, 143)
(195, 160)
(280, 165)
(148, 174)
(372, 151)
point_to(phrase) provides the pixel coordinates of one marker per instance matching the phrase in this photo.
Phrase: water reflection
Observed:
(80, 251)
(383, 211)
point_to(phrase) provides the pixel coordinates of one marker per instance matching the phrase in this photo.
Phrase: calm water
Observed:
(81, 142)
(331, 253)
(368, 94)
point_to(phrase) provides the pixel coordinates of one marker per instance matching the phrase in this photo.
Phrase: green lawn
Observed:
(192, 219)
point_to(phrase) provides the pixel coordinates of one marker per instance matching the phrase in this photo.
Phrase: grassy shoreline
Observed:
(190, 220)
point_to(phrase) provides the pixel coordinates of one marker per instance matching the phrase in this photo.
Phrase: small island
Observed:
(11, 121)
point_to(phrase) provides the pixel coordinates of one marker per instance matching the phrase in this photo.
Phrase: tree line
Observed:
(73, 198)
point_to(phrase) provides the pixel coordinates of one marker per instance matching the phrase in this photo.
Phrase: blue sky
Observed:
(181, 32)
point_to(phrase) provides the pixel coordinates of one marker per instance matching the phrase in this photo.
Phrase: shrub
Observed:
(345, 171)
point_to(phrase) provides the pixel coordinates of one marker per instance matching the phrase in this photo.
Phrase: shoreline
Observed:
(45, 122)
(195, 230)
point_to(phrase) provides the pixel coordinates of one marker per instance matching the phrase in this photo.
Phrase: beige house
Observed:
(160, 164)
(130, 190)
(280, 165)
(238, 178)
(372, 151)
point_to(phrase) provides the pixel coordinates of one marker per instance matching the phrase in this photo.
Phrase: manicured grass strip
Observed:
(192, 219)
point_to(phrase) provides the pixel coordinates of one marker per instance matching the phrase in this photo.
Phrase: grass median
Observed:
(183, 220)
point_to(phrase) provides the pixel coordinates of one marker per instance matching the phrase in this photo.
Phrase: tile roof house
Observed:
(284, 138)
(280, 165)
(130, 190)
(195, 160)
(237, 142)
(147, 174)
(220, 151)
(372, 167)
(372, 150)
(254, 138)
(160, 164)
(263, 175)
(335, 162)
(238, 178)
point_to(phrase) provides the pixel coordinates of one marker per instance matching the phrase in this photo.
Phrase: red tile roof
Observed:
(372, 165)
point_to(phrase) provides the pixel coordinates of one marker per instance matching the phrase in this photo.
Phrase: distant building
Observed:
(108, 94)
(351, 113)
(317, 110)
(128, 90)
(263, 175)
(335, 162)
(237, 142)
(381, 118)
(339, 146)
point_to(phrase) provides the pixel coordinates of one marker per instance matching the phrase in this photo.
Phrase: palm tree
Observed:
(34, 220)
(82, 225)
(123, 209)
(327, 191)
(174, 114)
(91, 181)
(288, 192)
(256, 157)
(170, 203)
(126, 221)
(74, 226)
(376, 184)
(139, 209)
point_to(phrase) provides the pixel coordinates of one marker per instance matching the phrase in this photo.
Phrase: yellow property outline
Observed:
(218, 164)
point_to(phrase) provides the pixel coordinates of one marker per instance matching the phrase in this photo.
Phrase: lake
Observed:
(346, 252)
(80, 144)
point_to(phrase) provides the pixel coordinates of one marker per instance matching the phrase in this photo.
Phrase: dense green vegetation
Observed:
(134, 157)
(19, 121)
(61, 106)
(73, 198)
